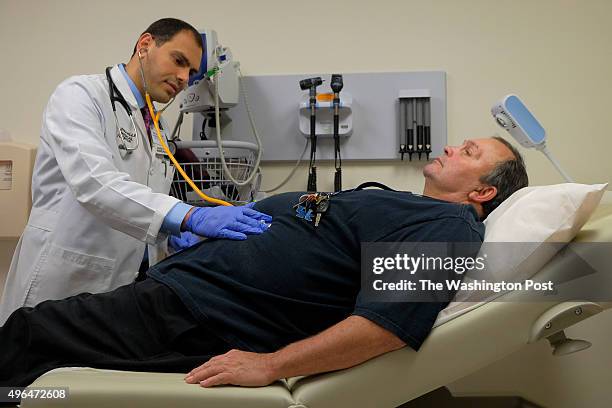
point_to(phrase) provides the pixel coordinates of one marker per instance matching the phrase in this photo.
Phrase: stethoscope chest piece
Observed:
(127, 142)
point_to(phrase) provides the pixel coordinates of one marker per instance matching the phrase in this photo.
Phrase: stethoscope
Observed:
(127, 142)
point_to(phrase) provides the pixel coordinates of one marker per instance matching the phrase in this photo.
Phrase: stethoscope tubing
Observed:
(116, 96)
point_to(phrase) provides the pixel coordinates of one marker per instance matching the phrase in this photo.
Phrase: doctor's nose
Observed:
(183, 77)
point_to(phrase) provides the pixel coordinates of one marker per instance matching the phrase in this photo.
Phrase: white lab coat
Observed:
(92, 210)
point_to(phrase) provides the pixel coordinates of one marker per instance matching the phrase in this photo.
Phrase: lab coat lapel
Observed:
(126, 91)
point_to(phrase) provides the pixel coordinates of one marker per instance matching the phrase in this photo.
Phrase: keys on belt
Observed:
(311, 207)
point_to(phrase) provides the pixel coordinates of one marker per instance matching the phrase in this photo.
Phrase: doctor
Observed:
(100, 184)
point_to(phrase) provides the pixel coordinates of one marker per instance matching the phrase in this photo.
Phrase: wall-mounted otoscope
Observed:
(311, 84)
(336, 86)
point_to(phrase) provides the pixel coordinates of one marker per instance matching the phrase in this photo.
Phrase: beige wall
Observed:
(554, 53)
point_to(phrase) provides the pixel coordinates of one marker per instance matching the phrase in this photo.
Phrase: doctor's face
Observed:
(167, 67)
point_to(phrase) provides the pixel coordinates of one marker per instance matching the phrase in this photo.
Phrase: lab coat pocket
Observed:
(160, 175)
(71, 272)
(169, 175)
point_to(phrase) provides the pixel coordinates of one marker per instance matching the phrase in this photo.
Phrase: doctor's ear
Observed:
(142, 52)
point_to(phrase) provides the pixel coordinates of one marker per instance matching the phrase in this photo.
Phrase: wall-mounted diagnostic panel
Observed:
(378, 115)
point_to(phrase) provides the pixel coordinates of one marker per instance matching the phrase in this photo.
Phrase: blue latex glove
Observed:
(227, 222)
(186, 240)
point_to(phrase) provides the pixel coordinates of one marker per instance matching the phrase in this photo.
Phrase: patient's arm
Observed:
(347, 343)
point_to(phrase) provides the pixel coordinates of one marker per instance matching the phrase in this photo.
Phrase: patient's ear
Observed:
(483, 194)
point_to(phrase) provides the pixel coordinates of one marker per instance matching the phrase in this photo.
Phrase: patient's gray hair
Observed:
(507, 176)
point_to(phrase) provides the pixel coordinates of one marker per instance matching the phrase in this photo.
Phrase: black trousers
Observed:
(139, 327)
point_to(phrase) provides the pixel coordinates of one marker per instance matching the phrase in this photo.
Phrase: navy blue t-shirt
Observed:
(295, 280)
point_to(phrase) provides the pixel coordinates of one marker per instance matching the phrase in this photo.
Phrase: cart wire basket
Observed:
(202, 163)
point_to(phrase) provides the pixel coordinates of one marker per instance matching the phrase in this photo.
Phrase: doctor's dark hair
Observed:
(507, 176)
(163, 30)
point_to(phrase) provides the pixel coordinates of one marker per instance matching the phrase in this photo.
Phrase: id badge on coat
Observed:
(157, 148)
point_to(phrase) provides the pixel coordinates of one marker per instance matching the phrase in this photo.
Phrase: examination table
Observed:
(454, 349)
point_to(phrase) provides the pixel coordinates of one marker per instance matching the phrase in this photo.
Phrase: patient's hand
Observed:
(234, 367)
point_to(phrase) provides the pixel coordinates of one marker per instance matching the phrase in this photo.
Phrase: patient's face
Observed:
(459, 169)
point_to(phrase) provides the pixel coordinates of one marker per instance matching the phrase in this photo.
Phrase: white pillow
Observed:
(543, 214)
(530, 216)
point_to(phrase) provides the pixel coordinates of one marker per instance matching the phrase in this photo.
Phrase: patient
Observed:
(277, 305)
